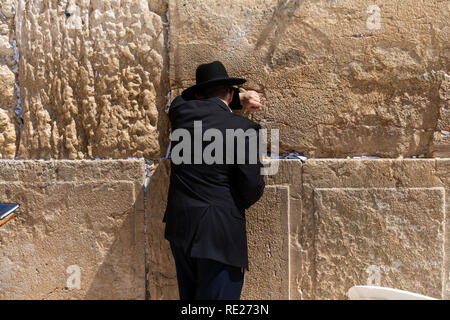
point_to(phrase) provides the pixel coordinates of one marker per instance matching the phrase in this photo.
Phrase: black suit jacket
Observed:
(205, 212)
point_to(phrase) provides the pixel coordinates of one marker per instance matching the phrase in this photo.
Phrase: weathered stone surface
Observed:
(440, 146)
(72, 171)
(329, 224)
(7, 136)
(7, 81)
(332, 81)
(94, 75)
(347, 222)
(385, 237)
(402, 178)
(8, 69)
(443, 172)
(290, 175)
(162, 273)
(63, 222)
(6, 49)
(444, 94)
(92, 78)
(268, 247)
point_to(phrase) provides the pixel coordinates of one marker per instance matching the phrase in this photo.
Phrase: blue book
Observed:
(7, 212)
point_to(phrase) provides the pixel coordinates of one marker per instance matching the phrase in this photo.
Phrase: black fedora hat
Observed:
(208, 75)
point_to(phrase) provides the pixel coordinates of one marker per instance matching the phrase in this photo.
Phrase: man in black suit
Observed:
(205, 214)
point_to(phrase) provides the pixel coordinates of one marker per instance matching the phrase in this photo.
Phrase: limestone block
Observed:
(336, 77)
(8, 69)
(443, 172)
(408, 182)
(385, 237)
(378, 173)
(162, 274)
(114, 170)
(7, 81)
(7, 104)
(72, 171)
(440, 147)
(290, 175)
(93, 229)
(7, 8)
(7, 31)
(268, 247)
(93, 78)
(6, 49)
(444, 94)
(70, 226)
(88, 170)
(7, 136)
(78, 171)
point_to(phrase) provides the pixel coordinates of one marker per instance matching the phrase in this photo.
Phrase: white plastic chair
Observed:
(383, 293)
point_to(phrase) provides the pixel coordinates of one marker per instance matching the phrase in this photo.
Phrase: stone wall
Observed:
(338, 78)
(334, 82)
(8, 73)
(326, 225)
(91, 79)
(74, 216)
(320, 228)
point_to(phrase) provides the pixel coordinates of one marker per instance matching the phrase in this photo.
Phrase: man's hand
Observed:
(250, 101)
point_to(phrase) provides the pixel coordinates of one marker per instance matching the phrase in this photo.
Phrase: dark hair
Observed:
(221, 92)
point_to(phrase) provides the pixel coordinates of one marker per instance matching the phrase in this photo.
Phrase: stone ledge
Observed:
(72, 170)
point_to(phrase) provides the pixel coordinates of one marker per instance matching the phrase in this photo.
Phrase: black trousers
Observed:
(205, 279)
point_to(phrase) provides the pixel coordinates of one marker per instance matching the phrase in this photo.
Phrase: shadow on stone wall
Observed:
(162, 275)
(121, 274)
